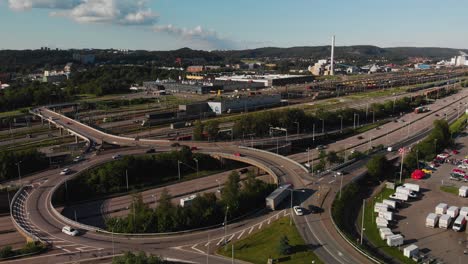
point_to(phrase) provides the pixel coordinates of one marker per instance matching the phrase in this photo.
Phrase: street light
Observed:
(178, 168)
(19, 171)
(323, 126)
(298, 127)
(219, 185)
(341, 123)
(225, 226)
(196, 161)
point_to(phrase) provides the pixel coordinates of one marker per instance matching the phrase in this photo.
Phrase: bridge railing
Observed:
(277, 155)
(14, 207)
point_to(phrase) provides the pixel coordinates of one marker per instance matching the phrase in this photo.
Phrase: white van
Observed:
(70, 231)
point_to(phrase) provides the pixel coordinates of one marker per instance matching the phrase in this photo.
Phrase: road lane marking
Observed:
(251, 229)
(332, 181)
(269, 221)
(321, 179)
(219, 242)
(196, 249)
(231, 237)
(241, 234)
(260, 226)
(207, 244)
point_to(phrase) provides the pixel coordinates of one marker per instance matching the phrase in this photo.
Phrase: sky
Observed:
(236, 24)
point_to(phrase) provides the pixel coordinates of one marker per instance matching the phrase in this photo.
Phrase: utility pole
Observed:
(313, 132)
(178, 168)
(196, 161)
(323, 127)
(362, 221)
(19, 171)
(225, 228)
(401, 165)
(341, 184)
(341, 124)
(308, 157)
(232, 253)
(126, 177)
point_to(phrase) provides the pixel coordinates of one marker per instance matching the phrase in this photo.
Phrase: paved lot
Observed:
(445, 245)
(8, 234)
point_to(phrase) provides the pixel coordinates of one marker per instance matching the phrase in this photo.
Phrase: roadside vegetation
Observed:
(143, 172)
(140, 258)
(279, 241)
(29, 161)
(30, 248)
(205, 210)
(450, 189)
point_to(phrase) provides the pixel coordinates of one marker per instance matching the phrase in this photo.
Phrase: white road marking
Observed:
(219, 242)
(330, 182)
(320, 179)
(269, 221)
(241, 234)
(251, 229)
(206, 245)
(260, 226)
(196, 249)
(231, 237)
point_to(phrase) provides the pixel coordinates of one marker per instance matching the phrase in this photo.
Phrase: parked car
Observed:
(298, 210)
(463, 166)
(116, 156)
(455, 177)
(193, 148)
(321, 147)
(237, 154)
(70, 231)
(65, 171)
(175, 144)
(244, 170)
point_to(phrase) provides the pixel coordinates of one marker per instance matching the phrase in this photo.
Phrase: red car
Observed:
(193, 148)
(238, 154)
(455, 152)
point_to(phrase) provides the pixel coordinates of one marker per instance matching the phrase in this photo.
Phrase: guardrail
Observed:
(277, 155)
(15, 221)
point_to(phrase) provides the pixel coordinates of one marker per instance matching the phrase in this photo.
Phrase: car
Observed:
(463, 166)
(193, 148)
(116, 156)
(455, 152)
(65, 171)
(69, 123)
(175, 144)
(321, 147)
(78, 159)
(455, 177)
(244, 170)
(436, 114)
(427, 171)
(360, 137)
(238, 154)
(298, 210)
(151, 150)
(70, 231)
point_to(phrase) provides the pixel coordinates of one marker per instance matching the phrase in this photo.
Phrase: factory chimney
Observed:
(332, 64)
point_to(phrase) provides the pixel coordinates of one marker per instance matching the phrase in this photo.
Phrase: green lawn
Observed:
(372, 231)
(258, 247)
(449, 189)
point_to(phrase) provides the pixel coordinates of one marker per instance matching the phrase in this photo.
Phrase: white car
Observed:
(78, 159)
(65, 171)
(463, 166)
(116, 156)
(298, 210)
(70, 231)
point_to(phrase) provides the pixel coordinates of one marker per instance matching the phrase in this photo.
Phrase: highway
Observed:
(38, 215)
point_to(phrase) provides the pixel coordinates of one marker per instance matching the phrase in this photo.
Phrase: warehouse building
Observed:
(244, 103)
(269, 80)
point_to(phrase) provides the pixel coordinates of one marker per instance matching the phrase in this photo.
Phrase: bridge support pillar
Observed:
(61, 131)
(76, 139)
(49, 125)
(42, 121)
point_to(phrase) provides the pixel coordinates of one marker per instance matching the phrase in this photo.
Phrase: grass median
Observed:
(258, 247)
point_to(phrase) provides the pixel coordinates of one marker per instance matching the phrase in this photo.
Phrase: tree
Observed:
(212, 129)
(379, 167)
(140, 258)
(333, 157)
(231, 190)
(284, 248)
(198, 130)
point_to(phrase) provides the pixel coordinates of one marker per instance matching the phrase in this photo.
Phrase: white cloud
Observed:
(125, 12)
(207, 39)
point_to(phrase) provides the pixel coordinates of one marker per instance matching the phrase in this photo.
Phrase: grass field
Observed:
(449, 189)
(258, 247)
(372, 231)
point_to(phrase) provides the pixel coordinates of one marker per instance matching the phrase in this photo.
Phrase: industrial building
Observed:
(191, 87)
(244, 103)
(268, 80)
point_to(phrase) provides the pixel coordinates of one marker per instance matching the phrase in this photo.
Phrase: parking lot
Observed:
(447, 246)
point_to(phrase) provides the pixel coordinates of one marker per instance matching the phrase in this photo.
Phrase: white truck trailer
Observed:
(385, 232)
(459, 223)
(277, 196)
(445, 221)
(432, 220)
(441, 208)
(463, 191)
(386, 215)
(411, 251)
(391, 203)
(464, 211)
(395, 240)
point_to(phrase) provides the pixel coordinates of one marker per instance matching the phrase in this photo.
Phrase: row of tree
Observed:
(139, 258)
(205, 210)
(142, 171)
(29, 161)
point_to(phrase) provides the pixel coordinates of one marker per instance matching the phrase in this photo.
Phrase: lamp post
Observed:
(126, 178)
(323, 126)
(341, 123)
(313, 132)
(219, 184)
(19, 171)
(196, 161)
(225, 226)
(362, 221)
(178, 168)
(298, 127)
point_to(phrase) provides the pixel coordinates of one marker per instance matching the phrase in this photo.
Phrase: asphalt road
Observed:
(331, 249)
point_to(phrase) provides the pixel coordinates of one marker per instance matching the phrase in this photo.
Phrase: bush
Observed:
(31, 247)
(6, 252)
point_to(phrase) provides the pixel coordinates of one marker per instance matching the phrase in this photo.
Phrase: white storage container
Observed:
(411, 186)
(386, 215)
(381, 222)
(411, 251)
(464, 211)
(463, 191)
(432, 220)
(392, 204)
(441, 208)
(385, 232)
(453, 211)
(395, 240)
(445, 221)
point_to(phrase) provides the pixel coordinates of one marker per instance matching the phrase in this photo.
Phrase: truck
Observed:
(277, 196)
(411, 186)
(177, 125)
(441, 208)
(420, 109)
(399, 196)
(432, 220)
(445, 221)
(453, 211)
(463, 191)
(392, 204)
(410, 193)
(187, 201)
(459, 223)
(395, 240)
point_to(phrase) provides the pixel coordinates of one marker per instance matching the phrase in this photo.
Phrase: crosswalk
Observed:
(214, 243)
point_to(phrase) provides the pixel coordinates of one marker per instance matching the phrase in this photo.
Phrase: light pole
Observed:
(298, 127)
(362, 221)
(219, 184)
(308, 157)
(178, 168)
(313, 132)
(19, 171)
(126, 178)
(196, 161)
(323, 126)
(370, 142)
(341, 123)
(292, 192)
(225, 227)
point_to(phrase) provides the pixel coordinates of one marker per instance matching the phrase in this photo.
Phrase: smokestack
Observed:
(332, 64)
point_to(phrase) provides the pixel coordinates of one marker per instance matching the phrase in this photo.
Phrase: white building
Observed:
(244, 103)
(461, 60)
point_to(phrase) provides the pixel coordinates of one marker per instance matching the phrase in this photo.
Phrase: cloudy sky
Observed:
(236, 24)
